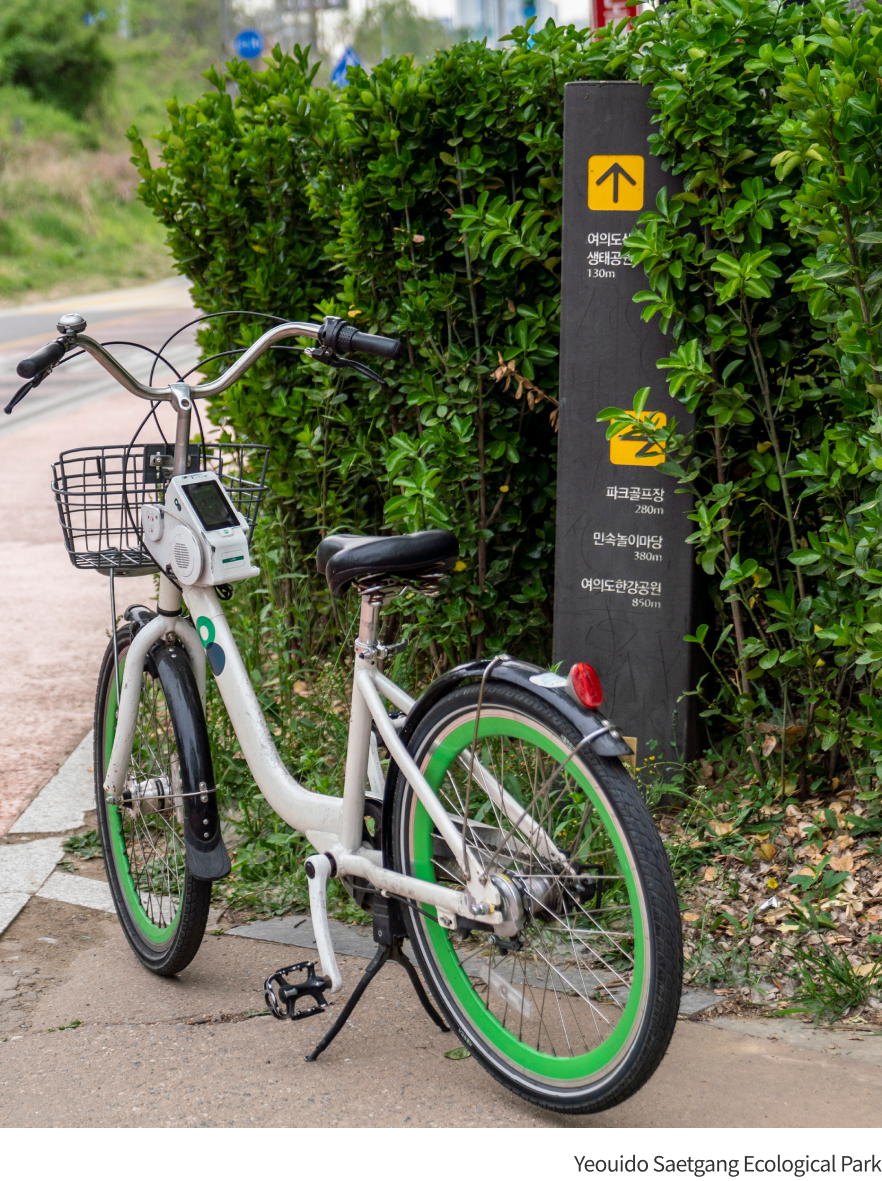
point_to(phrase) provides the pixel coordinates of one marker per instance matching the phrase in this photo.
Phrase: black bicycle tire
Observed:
(171, 958)
(659, 892)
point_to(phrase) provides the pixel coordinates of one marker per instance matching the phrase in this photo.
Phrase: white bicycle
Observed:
(509, 844)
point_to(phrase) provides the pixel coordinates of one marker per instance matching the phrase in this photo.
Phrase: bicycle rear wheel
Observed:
(162, 908)
(574, 1011)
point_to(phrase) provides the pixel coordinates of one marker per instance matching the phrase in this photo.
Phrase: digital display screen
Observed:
(212, 507)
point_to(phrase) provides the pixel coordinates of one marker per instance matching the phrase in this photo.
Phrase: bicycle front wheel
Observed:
(162, 908)
(574, 1011)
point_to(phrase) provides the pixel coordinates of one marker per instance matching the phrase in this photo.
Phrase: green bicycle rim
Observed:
(537, 1062)
(118, 844)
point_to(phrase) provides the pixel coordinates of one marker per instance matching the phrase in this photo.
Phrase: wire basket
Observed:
(99, 492)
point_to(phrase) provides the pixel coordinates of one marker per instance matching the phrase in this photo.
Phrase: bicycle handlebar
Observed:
(41, 360)
(333, 333)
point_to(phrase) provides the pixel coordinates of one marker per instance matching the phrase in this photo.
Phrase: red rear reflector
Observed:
(586, 685)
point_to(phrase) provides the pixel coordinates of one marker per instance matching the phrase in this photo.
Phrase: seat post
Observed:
(368, 623)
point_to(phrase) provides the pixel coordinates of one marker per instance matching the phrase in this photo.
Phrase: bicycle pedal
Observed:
(282, 999)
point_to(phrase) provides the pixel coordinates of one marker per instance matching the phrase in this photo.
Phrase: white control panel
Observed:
(198, 536)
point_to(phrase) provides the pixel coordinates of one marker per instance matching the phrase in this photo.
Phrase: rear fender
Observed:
(530, 677)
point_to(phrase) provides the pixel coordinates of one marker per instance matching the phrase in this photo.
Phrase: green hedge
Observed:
(425, 202)
(373, 202)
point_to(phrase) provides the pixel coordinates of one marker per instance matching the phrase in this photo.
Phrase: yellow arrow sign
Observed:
(615, 182)
(631, 448)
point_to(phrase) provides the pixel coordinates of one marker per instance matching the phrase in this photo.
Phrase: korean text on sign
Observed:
(610, 258)
(624, 541)
(620, 493)
(621, 586)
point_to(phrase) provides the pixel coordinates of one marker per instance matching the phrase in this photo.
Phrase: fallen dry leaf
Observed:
(768, 852)
(691, 917)
(805, 872)
(721, 827)
(792, 734)
(710, 873)
(843, 864)
(865, 970)
(769, 745)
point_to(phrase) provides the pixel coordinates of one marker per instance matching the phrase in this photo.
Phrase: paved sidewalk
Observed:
(56, 620)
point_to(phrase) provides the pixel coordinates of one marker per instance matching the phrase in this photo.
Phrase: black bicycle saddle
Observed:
(345, 558)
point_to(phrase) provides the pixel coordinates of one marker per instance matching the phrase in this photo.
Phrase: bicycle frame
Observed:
(331, 824)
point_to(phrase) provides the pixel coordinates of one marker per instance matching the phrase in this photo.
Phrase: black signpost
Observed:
(624, 577)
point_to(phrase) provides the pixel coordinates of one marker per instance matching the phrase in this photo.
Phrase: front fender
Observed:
(207, 857)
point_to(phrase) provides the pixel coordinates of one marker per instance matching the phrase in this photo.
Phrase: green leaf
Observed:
(804, 558)
(458, 1052)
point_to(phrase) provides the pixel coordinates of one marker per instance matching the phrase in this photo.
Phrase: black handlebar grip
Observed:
(41, 360)
(379, 346)
(341, 337)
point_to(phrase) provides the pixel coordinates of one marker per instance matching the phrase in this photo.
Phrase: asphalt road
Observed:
(145, 315)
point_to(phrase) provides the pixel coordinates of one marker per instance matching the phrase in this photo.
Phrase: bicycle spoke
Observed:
(154, 840)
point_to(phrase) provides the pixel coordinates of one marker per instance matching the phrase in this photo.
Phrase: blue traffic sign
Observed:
(248, 44)
(349, 58)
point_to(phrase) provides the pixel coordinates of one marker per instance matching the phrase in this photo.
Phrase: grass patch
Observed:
(86, 846)
(830, 986)
(71, 223)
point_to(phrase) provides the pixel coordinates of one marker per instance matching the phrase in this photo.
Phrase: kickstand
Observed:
(387, 925)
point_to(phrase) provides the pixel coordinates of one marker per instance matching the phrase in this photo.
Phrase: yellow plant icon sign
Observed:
(615, 182)
(631, 448)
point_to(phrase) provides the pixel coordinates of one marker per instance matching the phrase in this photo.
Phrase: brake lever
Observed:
(24, 391)
(329, 358)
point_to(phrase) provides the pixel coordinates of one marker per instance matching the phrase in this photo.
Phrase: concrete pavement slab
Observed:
(10, 905)
(64, 801)
(296, 930)
(24, 868)
(68, 887)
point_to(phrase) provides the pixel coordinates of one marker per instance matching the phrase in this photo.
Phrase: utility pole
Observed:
(313, 24)
(225, 26)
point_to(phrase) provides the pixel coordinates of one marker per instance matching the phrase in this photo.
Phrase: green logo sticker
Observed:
(205, 628)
